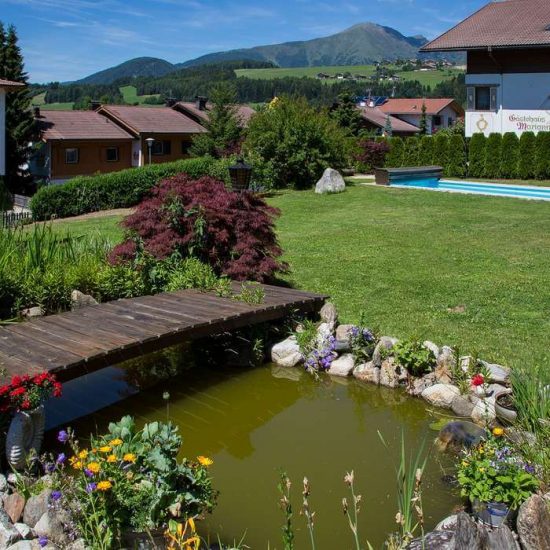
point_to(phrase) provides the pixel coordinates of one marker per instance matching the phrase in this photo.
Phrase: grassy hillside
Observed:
(129, 93)
(40, 100)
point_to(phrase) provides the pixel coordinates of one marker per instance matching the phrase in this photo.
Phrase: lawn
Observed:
(129, 94)
(463, 270)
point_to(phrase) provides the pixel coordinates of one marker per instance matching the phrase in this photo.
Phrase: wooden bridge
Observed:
(74, 343)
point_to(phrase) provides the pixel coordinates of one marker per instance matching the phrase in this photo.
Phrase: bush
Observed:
(493, 156)
(394, 159)
(476, 164)
(426, 151)
(542, 156)
(232, 232)
(510, 155)
(371, 154)
(456, 164)
(527, 149)
(117, 189)
(441, 150)
(411, 153)
(290, 144)
(412, 355)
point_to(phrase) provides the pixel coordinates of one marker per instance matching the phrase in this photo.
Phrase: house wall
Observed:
(175, 149)
(92, 158)
(2, 132)
(445, 114)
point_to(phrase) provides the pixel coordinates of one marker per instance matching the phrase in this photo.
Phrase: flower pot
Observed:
(493, 514)
(505, 410)
(25, 434)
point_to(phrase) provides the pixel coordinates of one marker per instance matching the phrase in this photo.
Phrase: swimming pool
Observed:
(476, 188)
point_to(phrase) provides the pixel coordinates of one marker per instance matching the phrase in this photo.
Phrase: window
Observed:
(437, 120)
(450, 122)
(162, 147)
(71, 156)
(112, 154)
(185, 146)
(482, 98)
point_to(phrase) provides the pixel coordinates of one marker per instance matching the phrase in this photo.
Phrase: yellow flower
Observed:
(129, 457)
(83, 454)
(482, 470)
(464, 463)
(205, 461)
(498, 432)
(104, 485)
(116, 442)
(105, 449)
(78, 465)
(94, 467)
(111, 459)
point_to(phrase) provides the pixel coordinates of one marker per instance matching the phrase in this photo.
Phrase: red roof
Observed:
(10, 84)
(503, 24)
(244, 112)
(378, 118)
(149, 120)
(414, 106)
(79, 125)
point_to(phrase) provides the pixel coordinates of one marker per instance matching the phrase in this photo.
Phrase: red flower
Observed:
(57, 389)
(17, 392)
(16, 381)
(4, 390)
(26, 404)
(478, 380)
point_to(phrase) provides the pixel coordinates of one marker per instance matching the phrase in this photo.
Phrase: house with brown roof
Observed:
(76, 143)
(170, 132)
(5, 87)
(376, 120)
(200, 109)
(508, 65)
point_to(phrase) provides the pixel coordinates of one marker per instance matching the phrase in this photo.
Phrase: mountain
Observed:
(140, 66)
(359, 45)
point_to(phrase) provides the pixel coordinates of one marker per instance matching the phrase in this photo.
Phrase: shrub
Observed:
(411, 153)
(542, 156)
(510, 155)
(456, 164)
(476, 164)
(426, 151)
(412, 355)
(527, 148)
(493, 156)
(441, 149)
(117, 189)
(290, 144)
(232, 232)
(372, 154)
(394, 159)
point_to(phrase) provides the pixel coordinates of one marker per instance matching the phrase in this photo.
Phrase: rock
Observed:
(446, 357)
(436, 540)
(343, 366)
(500, 539)
(286, 353)
(367, 372)
(458, 435)
(467, 535)
(13, 506)
(8, 534)
(443, 374)
(36, 507)
(324, 331)
(499, 374)
(78, 544)
(342, 346)
(447, 524)
(390, 373)
(51, 525)
(520, 437)
(80, 300)
(441, 395)
(32, 312)
(25, 545)
(386, 343)
(484, 412)
(343, 332)
(432, 347)
(331, 182)
(24, 530)
(462, 406)
(533, 524)
(3, 483)
(329, 314)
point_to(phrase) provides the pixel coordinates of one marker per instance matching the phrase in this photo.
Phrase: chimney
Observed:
(201, 102)
(95, 105)
(36, 111)
(170, 101)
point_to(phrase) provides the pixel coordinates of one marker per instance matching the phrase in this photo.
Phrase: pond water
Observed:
(255, 423)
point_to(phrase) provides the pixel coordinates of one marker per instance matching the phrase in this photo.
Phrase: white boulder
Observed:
(331, 182)
(441, 395)
(286, 353)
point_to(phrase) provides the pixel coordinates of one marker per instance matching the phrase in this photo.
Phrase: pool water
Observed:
(476, 188)
(255, 423)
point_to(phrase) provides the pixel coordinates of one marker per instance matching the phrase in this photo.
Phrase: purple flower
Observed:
(529, 468)
(43, 541)
(61, 458)
(89, 473)
(63, 436)
(50, 468)
(91, 487)
(56, 495)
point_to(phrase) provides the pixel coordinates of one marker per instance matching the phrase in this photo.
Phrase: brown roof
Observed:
(78, 125)
(10, 84)
(414, 106)
(504, 24)
(378, 118)
(148, 120)
(244, 112)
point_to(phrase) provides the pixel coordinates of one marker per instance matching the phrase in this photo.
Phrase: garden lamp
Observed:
(150, 142)
(241, 174)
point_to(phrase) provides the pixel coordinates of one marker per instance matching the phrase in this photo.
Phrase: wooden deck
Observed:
(77, 342)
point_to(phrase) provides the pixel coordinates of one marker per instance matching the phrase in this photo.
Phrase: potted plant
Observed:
(505, 407)
(23, 400)
(495, 479)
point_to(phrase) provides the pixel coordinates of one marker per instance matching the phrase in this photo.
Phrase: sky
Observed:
(69, 39)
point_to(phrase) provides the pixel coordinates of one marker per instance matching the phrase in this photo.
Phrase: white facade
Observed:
(2, 132)
(519, 103)
(447, 119)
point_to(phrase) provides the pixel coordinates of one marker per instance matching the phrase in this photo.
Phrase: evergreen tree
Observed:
(394, 159)
(347, 115)
(441, 150)
(542, 156)
(411, 155)
(510, 155)
(423, 120)
(493, 156)
(224, 131)
(476, 164)
(388, 130)
(20, 126)
(426, 151)
(456, 165)
(527, 147)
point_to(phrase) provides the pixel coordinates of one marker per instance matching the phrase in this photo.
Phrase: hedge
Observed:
(527, 148)
(441, 150)
(542, 156)
(426, 155)
(123, 189)
(510, 155)
(456, 163)
(493, 156)
(411, 154)
(476, 160)
(394, 159)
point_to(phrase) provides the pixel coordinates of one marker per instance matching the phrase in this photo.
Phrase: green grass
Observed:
(430, 78)
(129, 93)
(408, 257)
(40, 100)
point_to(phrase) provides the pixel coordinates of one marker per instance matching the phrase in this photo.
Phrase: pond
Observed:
(255, 423)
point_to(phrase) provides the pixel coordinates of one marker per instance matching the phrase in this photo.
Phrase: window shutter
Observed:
(471, 98)
(494, 99)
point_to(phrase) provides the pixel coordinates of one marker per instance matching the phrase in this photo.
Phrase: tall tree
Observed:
(347, 114)
(20, 125)
(423, 120)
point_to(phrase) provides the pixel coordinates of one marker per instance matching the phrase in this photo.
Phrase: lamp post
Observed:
(150, 142)
(241, 174)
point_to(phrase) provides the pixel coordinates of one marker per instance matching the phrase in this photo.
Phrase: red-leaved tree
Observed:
(372, 154)
(232, 232)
